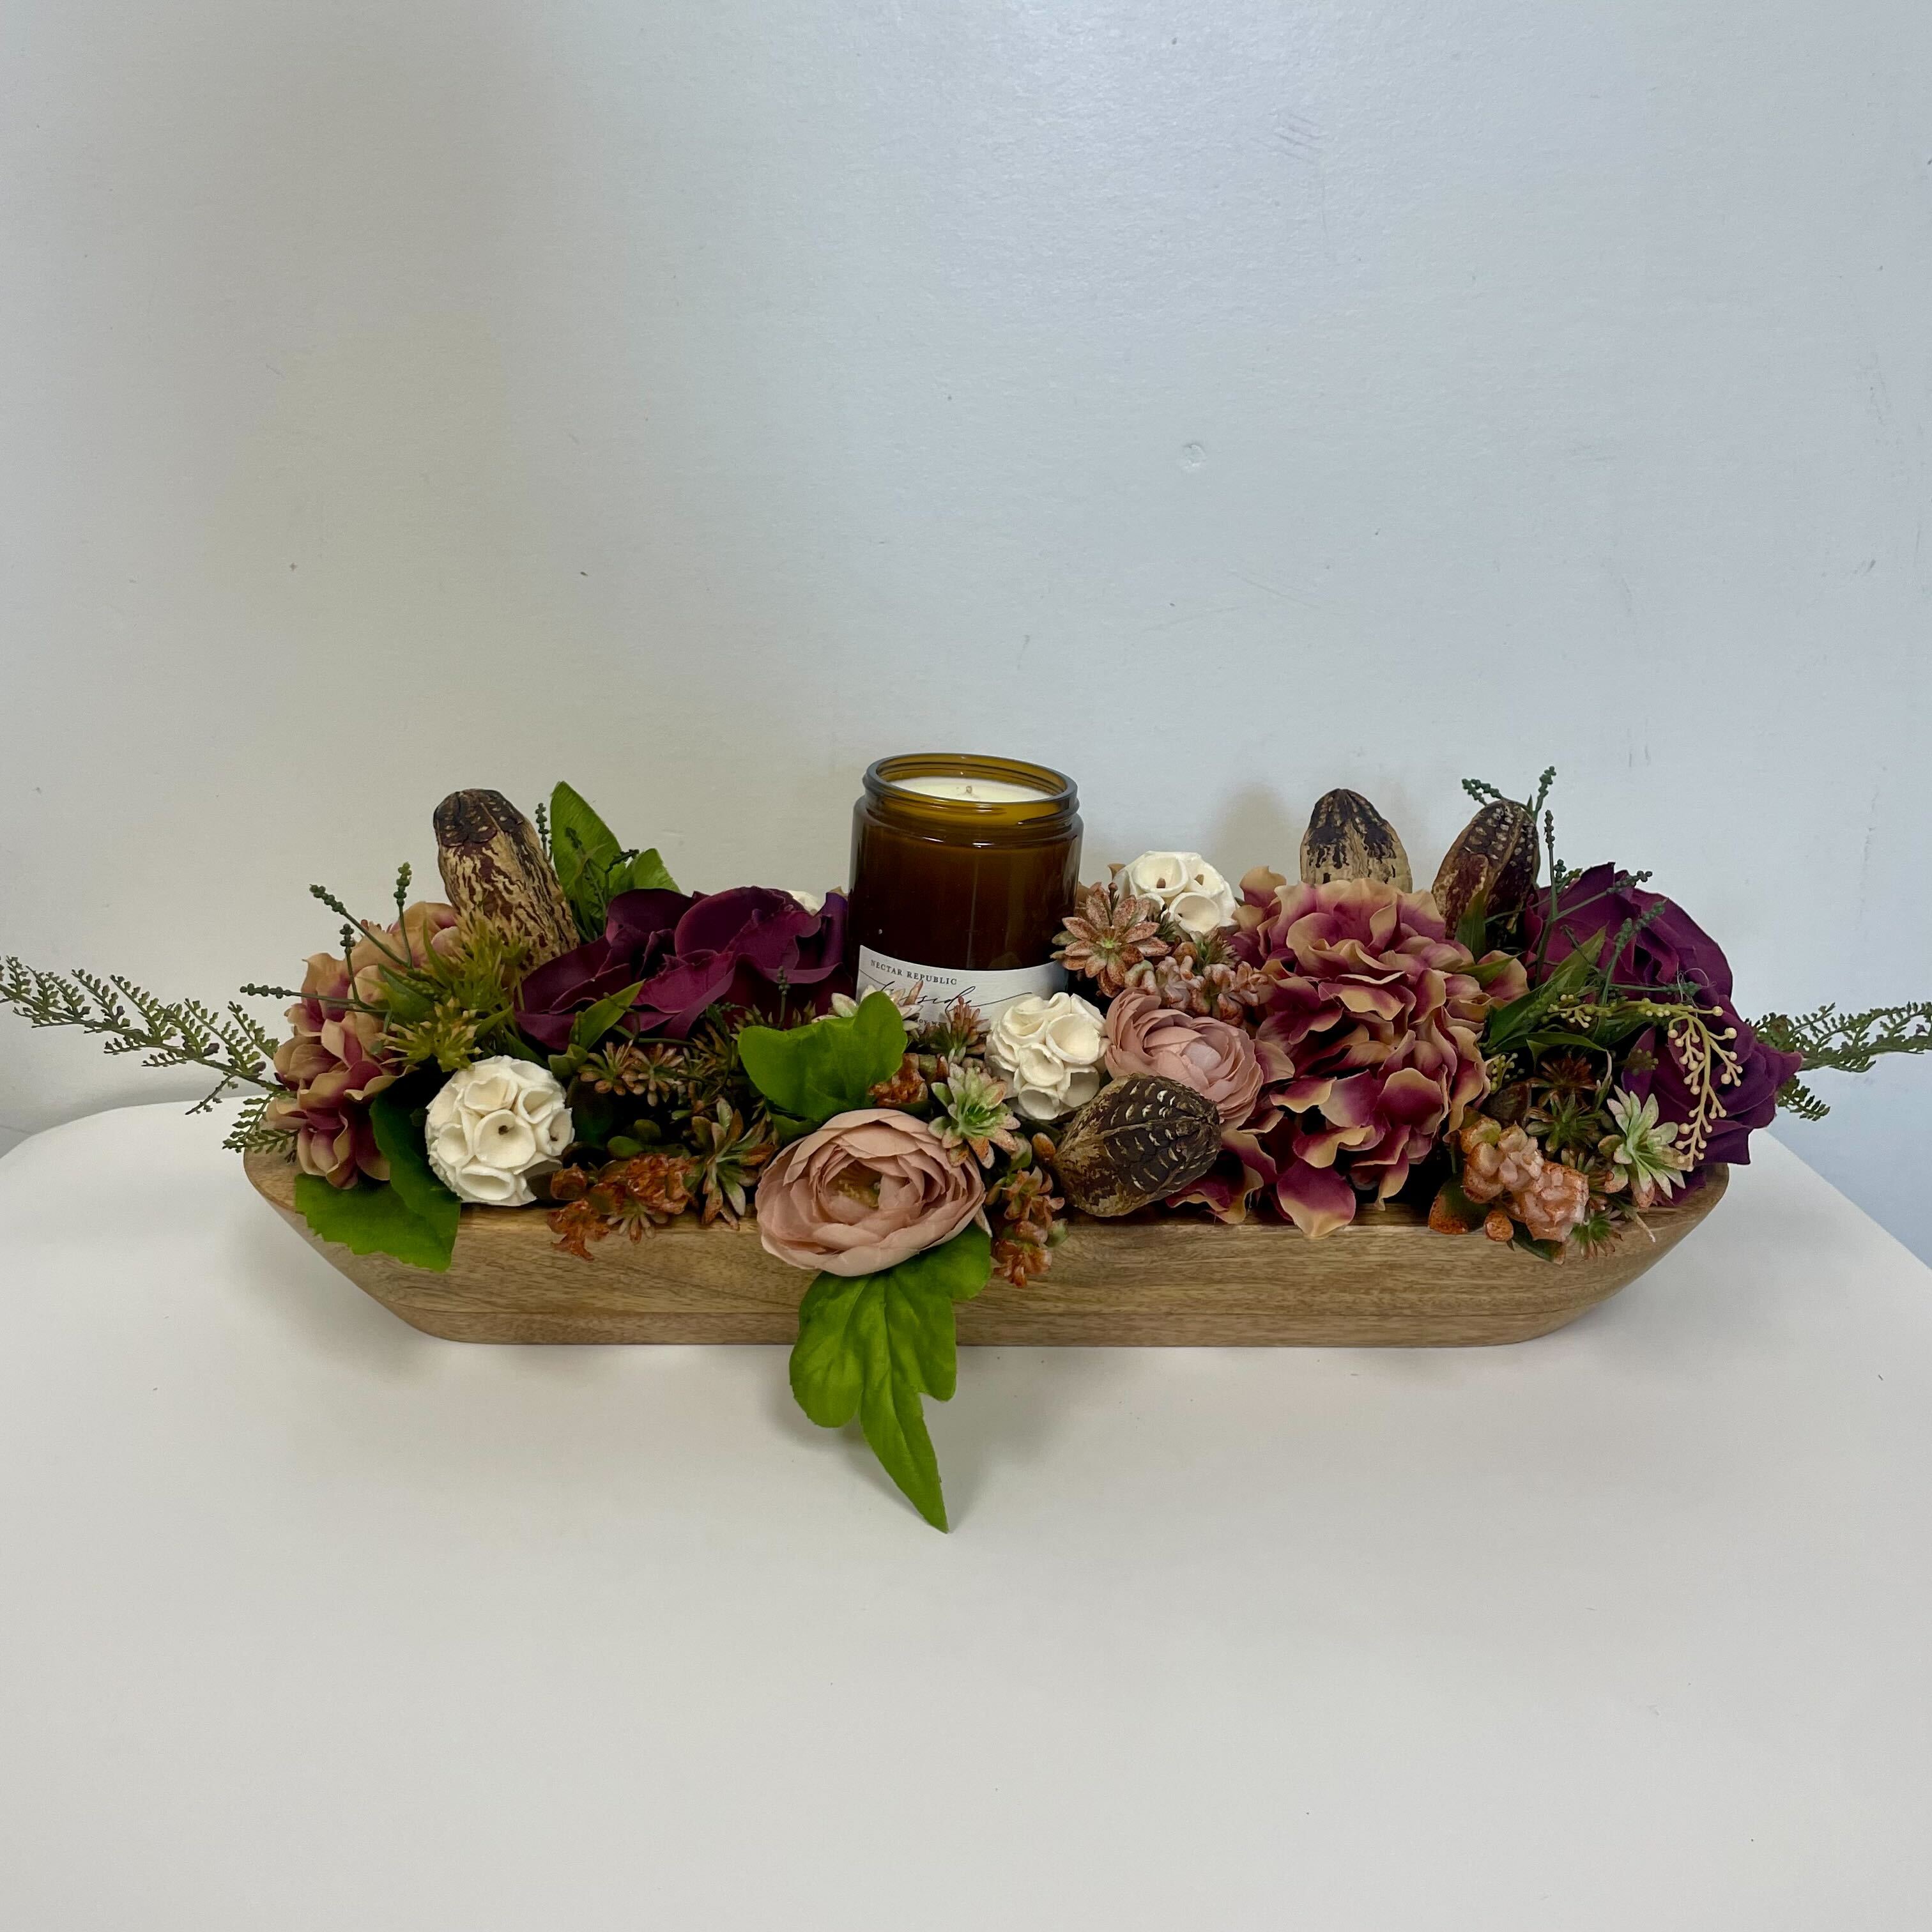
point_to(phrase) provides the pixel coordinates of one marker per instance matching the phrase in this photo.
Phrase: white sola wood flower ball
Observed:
(494, 1127)
(1049, 1051)
(1187, 885)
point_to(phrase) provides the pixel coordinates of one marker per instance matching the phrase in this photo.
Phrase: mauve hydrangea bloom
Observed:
(1370, 1044)
(690, 953)
(332, 1060)
(331, 1064)
(1673, 951)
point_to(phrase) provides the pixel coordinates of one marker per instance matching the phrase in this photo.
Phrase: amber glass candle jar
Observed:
(963, 869)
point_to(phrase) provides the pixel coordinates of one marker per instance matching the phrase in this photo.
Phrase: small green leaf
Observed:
(830, 1067)
(1510, 1024)
(591, 1025)
(1472, 928)
(1452, 1205)
(369, 1218)
(645, 873)
(408, 1001)
(595, 1118)
(827, 1369)
(894, 1420)
(411, 1216)
(1547, 1039)
(872, 1345)
(399, 1134)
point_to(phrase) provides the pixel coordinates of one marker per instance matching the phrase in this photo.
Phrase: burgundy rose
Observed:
(690, 953)
(1673, 957)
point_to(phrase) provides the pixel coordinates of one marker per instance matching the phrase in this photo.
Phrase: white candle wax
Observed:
(971, 791)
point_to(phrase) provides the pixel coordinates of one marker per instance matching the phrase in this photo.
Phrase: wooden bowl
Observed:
(1165, 1281)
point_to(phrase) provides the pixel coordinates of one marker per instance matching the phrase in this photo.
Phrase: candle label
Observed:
(939, 986)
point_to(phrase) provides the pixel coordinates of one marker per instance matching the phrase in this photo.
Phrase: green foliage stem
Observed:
(231, 1044)
(1831, 1041)
(871, 1345)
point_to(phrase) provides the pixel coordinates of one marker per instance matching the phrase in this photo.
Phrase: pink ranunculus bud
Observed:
(1217, 1060)
(865, 1191)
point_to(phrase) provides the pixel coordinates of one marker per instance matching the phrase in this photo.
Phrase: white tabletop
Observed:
(312, 1621)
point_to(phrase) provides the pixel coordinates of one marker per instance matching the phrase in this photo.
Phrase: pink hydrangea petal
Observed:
(1412, 1099)
(1317, 1200)
(1352, 1103)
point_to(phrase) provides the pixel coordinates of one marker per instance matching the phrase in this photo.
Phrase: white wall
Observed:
(698, 400)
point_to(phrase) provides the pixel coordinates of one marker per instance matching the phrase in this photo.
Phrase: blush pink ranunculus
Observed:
(866, 1191)
(1217, 1060)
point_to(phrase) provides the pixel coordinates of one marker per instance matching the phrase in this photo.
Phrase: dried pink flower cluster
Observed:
(1505, 1165)
(1195, 978)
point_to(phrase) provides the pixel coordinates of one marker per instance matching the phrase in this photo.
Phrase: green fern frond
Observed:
(128, 1019)
(1828, 1040)
(1850, 1042)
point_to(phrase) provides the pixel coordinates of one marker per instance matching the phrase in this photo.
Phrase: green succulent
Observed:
(973, 1114)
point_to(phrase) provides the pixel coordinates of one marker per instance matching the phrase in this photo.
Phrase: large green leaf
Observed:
(585, 852)
(591, 866)
(871, 1345)
(368, 1219)
(578, 838)
(830, 1067)
(411, 1216)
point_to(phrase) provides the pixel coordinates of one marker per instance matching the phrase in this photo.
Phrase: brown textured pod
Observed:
(1136, 1142)
(1496, 857)
(1347, 838)
(493, 866)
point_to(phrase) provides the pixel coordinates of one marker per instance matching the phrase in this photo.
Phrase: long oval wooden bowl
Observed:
(1168, 1281)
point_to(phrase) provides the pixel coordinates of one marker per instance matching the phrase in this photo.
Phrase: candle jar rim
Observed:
(1015, 820)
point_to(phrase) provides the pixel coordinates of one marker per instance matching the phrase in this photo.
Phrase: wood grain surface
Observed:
(1164, 1281)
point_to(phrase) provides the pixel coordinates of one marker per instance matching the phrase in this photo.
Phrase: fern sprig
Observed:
(233, 1044)
(1830, 1041)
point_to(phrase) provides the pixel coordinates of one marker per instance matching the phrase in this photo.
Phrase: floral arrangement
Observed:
(1538, 1056)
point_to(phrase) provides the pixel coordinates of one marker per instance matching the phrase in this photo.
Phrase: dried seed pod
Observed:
(1496, 855)
(1347, 838)
(493, 866)
(1136, 1142)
